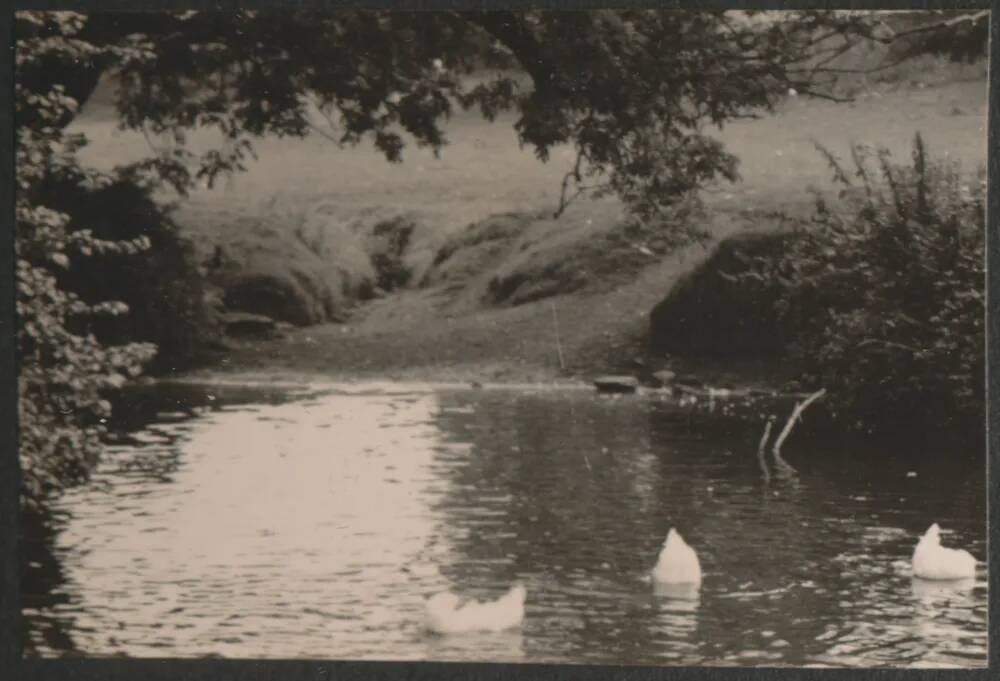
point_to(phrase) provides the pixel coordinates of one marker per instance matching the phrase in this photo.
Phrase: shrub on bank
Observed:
(725, 308)
(886, 293)
(162, 286)
(63, 367)
(84, 250)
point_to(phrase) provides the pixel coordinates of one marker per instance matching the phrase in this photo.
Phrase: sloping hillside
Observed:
(455, 266)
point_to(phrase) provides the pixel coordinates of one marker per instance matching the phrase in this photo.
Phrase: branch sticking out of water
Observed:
(766, 435)
(761, 451)
(796, 415)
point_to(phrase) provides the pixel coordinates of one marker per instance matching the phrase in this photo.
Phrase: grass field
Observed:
(444, 330)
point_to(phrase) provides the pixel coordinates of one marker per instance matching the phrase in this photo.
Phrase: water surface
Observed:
(313, 524)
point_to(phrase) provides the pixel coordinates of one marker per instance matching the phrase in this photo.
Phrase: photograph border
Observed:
(11, 661)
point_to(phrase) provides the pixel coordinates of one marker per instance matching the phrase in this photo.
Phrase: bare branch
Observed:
(796, 415)
(948, 23)
(803, 89)
(761, 454)
(575, 175)
(324, 133)
(766, 435)
(158, 151)
(843, 49)
(319, 107)
(874, 69)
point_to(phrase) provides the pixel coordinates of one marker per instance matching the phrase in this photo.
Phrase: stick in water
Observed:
(767, 434)
(796, 415)
(555, 323)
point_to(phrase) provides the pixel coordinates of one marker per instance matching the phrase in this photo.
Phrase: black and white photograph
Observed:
(635, 337)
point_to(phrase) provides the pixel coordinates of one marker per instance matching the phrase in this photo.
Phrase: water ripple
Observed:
(315, 525)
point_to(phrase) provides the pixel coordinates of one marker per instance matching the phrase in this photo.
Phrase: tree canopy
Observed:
(631, 90)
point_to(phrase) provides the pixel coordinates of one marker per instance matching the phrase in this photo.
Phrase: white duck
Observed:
(933, 561)
(678, 562)
(446, 615)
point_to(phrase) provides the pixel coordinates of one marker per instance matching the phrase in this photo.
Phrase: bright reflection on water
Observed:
(313, 525)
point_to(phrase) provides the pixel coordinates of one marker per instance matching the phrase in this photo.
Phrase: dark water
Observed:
(313, 525)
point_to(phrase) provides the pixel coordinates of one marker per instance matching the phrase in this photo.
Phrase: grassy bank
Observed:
(519, 295)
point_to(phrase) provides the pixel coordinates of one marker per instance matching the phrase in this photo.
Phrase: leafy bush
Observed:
(63, 368)
(724, 308)
(162, 285)
(886, 292)
(389, 241)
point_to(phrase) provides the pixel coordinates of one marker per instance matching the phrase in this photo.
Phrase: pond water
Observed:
(282, 524)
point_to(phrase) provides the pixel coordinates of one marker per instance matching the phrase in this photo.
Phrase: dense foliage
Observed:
(631, 91)
(63, 366)
(162, 286)
(886, 293)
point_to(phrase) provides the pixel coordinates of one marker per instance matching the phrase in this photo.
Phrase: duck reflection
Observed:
(941, 592)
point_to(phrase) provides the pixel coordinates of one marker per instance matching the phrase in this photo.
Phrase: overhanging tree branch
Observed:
(948, 23)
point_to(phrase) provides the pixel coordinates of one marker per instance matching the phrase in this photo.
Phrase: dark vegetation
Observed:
(888, 294)
(162, 287)
(390, 240)
(64, 368)
(725, 308)
(879, 298)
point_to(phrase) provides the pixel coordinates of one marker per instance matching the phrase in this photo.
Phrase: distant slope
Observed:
(482, 250)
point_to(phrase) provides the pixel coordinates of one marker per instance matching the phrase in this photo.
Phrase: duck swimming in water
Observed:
(678, 562)
(445, 614)
(933, 561)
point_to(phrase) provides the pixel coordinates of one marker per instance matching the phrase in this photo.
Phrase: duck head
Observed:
(673, 536)
(933, 534)
(444, 601)
(518, 592)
